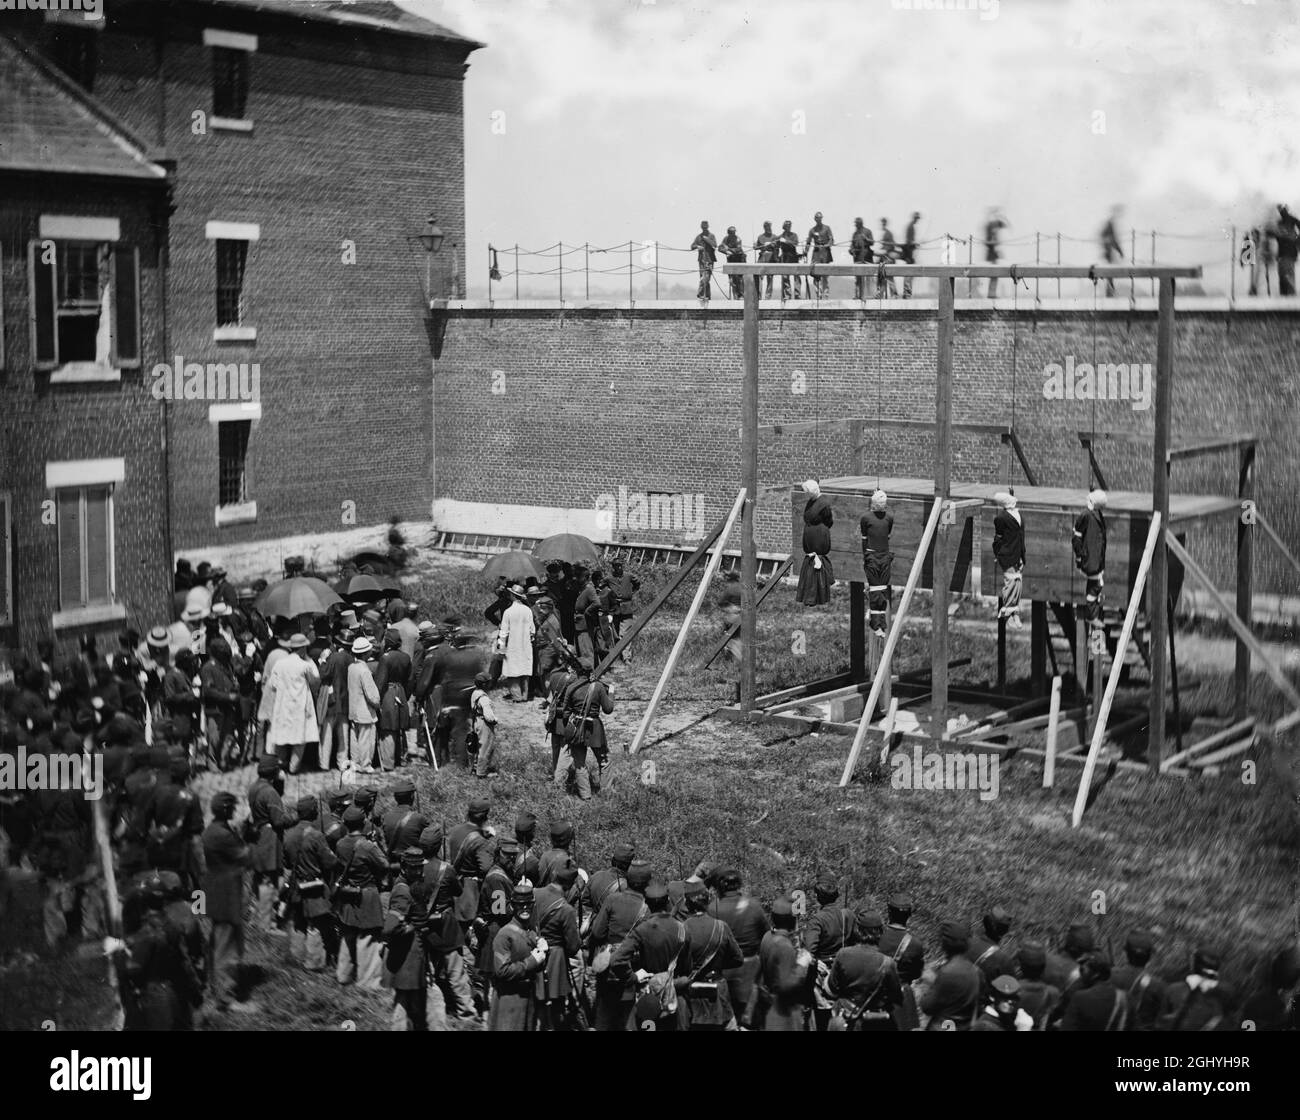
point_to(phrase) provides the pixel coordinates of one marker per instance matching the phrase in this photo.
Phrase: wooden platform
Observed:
(1048, 513)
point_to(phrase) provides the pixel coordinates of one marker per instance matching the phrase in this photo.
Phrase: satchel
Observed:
(345, 892)
(842, 1022)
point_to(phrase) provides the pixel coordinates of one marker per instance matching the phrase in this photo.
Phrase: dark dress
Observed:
(815, 582)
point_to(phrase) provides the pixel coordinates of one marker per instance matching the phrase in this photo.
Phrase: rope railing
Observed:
(654, 269)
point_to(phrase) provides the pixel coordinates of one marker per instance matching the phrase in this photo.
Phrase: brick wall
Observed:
(356, 137)
(594, 400)
(41, 422)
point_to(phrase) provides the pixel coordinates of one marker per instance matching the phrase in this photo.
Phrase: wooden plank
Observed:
(1130, 617)
(716, 559)
(1049, 761)
(811, 688)
(971, 271)
(773, 582)
(1228, 734)
(749, 485)
(942, 560)
(1243, 631)
(1245, 574)
(887, 732)
(858, 630)
(1233, 749)
(891, 643)
(1163, 411)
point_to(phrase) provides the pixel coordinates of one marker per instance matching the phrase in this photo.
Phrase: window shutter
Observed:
(69, 514)
(126, 307)
(99, 564)
(41, 303)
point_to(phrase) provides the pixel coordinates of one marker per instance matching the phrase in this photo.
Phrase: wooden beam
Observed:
(811, 688)
(1243, 631)
(858, 630)
(1164, 393)
(700, 592)
(891, 643)
(971, 271)
(1227, 735)
(1232, 749)
(1049, 760)
(1112, 684)
(749, 485)
(1245, 573)
(941, 563)
(773, 582)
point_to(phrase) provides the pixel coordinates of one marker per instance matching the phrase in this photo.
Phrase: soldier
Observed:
(392, 680)
(860, 250)
(456, 671)
(1095, 1004)
(445, 942)
(653, 953)
(470, 854)
(1009, 552)
(548, 640)
(518, 954)
(484, 728)
(898, 943)
(556, 922)
(406, 961)
(733, 249)
(560, 852)
(986, 951)
(863, 982)
(622, 584)
(527, 864)
(583, 701)
(888, 254)
(765, 247)
(586, 605)
(706, 996)
(1089, 545)
(267, 820)
(136, 801)
(175, 822)
(158, 984)
(876, 526)
(178, 910)
(749, 925)
(1199, 1002)
(1062, 968)
(331, 823)
(619, 914)
(609, 879)
(403, 823)
(907, 252)
(427, 694)
(706, 247)
(828, 931)
(787, 250)
(1003, 1011)
(357, 905)
(225, 857)
(817, 247)
(1145, 990)
(493, 912)
(783, 992)
(1037, 997)
(309, 862)
(953, 1000)
(1273, 1006)
(364, 799)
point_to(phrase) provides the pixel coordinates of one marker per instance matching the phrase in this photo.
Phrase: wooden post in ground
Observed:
(1002, 653)
(715, 561)
(1245, 574)
(1112, 682)
(1053, 717)
(1159, 585)
(858, 667)
(891, 718)
(749, 486)
(1039, 638)
(875, 654)
(942, 566)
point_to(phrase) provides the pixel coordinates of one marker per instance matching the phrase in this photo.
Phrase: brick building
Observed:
(311, 144)
(83, 217)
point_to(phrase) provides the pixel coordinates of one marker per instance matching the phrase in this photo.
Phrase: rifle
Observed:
(433, 754)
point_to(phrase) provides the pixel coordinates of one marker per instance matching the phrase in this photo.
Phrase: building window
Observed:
(74, 50)
(85, 520)
(85, 304)
(231, 259)
(232, 461)
(229, 83)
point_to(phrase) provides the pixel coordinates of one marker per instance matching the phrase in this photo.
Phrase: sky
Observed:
(601, 121)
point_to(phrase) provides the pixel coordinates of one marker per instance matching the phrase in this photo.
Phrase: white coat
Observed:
(516, 639)
(292, 685)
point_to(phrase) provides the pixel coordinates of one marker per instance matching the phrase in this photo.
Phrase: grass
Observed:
(1210, 860)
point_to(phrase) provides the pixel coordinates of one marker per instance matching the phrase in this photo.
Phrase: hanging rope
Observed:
(1092, 447)
(1015, 345)
(817, 374)
(880, 364)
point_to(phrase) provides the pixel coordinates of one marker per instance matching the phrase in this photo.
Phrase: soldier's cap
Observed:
(224, 800)
(639, 874)
(525, 824)
(307, 807)
(267, 766)
(782, 906)
(656, 891)
(412, 856)
(997, 919)
(431, 839)
(955, 933)
(567, 875)
(483, 679)
(353, 815)
(179, 766)
(1140, 941)
(171, 884)
(1006, 987)
(364, 797)
(727, 879)
(731, 229)
(786, 223)
(158, 756)
(451, 623)
(900, 901)
(508, 847)
(696, 888)
(623, 853)
(1032, 954)
(870, 919)
(818, 214)
(826, 886)
(479, 807)
(859, 221)
(152, 889)
(1098, 964)
(561, 831)
(339, 798)
(404, 785)
(522, 893)
(1206, 959)
(1078, 938)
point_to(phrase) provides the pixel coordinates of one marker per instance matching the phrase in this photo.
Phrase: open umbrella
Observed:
(569, 547)
(515, 566)
(364, 588)
(296, 596)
